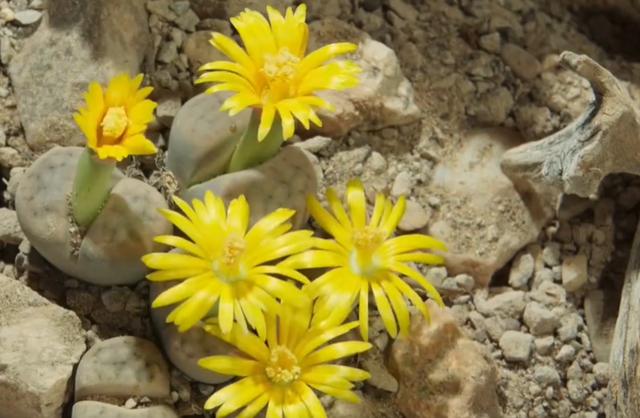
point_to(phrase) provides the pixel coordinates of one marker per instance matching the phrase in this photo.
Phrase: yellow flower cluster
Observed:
(241, 282)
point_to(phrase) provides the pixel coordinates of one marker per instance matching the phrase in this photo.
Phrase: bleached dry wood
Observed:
(624, 382)
(604, 139)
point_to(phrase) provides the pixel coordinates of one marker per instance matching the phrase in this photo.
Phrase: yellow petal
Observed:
(283, 290)
(230, 392)
(231, 49)
(411, 242)
(238, 215)
(328, 222)
(419, 278)
(139, 145)
(335, 351)
(266, 225)
(399, 306)
(314, 259)
(410, 294)
(324, 54)
(255, 406)
(118, 91)
(225, 310)
(174, 274)
(395, 216)
(384, 308)
(320, 336)
(363, 310)
(345, 395)
(248, 343)
(357, 203)
(338, 210)
(228, 365)
(310, 399)
(141, 113)
(169, 261)
(186, 289)
(191, 311)
(266, 121)
(288, 122)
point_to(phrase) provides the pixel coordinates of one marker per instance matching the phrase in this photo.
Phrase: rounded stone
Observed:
(92, 409)
(110, 250)
(123, 367)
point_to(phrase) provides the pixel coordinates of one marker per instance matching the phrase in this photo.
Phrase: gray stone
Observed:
(540, 320)
(473, 166)
(40, 344)
(601, 372)
(516, 346)
(10, 231)
(92, 409)
(168, 107)
(574, 272)
(415, 217)
(402, 184)
(576, 390)
(521, 271)
(546, 375)
(122, 367)
(521, 62)
(188, 21)
(373, 362)
(465, 281)
(493, 107)
(569, 329)
(551, 254)
(384, 97)
(403, 9)
(549, 293)
(78, 43)
(544, 345)
(601, 311)
(508, 304)
(28, 17)
(315, 144)
(11, 157)
(491, 42)
(566, 354)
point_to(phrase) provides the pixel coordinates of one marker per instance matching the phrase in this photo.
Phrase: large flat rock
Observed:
(40, 343)
(77, 42)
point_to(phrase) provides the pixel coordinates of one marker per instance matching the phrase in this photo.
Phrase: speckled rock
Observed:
(110, 251)
(184, 349)
(122, 367)
(40, 343)
(441, 373)
(74, 45)
(91, 409)
(282, 182)
(384, 97)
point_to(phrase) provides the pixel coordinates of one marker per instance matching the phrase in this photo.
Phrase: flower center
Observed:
(279, 70)
(365, 242)
(283, 366)
(115, 122)
(227, 266)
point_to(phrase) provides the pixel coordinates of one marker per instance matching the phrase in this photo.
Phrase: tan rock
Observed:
(482, 218)
(443, 374)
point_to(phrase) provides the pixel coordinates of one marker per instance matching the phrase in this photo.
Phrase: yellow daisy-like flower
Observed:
(114, 121)
(365, 257)
(282, 373)
(224, 264)
(273, 73)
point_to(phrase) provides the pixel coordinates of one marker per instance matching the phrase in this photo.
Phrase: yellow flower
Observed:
(282, 373)
(365, 257)
(223, 263)
(273, 73)
(114, 121)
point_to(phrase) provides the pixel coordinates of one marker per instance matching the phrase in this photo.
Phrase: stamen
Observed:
(115, 122)
(283, 366)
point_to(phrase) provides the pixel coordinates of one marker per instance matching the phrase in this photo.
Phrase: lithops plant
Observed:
(185, 349)
(273, 84)
(78, 210)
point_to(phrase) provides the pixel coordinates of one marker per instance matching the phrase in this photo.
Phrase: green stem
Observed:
(250, 152)
(91, 187)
